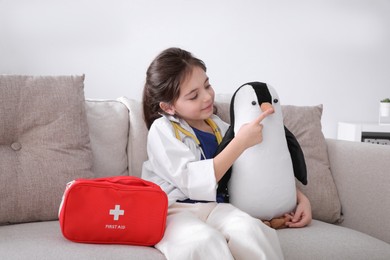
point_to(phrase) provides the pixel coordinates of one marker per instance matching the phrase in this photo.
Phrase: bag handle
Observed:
(125, 180)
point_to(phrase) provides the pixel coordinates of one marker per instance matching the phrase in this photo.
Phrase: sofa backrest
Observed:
(136, 146)
(50, 135)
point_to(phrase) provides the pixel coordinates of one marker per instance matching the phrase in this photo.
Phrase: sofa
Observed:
(51, 134)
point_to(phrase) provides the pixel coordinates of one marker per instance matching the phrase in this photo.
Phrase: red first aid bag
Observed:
(113, 210)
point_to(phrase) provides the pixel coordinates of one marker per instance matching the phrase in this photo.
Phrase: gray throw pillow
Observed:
(44, 144)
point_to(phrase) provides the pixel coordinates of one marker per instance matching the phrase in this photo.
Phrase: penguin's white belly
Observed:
(262, 182)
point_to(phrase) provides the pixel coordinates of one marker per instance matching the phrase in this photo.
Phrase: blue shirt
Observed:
(208, 142)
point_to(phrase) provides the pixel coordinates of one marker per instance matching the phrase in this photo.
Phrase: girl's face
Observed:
(196, 99)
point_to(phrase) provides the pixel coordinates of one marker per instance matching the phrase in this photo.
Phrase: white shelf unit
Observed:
(364, 132)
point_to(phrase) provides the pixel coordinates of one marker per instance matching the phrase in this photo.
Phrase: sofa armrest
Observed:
(361, 172)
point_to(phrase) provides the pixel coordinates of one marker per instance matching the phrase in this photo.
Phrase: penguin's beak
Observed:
(267, 106)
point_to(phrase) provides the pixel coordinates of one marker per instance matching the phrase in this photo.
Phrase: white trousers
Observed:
(216, 231)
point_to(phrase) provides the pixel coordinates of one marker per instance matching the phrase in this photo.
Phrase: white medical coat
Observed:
(176, 166)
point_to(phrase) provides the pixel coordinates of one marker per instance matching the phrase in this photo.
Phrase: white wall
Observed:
(333, 52)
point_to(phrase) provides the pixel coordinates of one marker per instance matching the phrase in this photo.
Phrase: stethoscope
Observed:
(210, 122)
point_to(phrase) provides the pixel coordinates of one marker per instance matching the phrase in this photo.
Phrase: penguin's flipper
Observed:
(222, 184)
(297, 157)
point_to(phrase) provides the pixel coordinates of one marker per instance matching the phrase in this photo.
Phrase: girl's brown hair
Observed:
(163, 79)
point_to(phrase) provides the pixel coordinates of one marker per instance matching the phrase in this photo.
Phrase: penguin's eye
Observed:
(254, 103)
(276, 100)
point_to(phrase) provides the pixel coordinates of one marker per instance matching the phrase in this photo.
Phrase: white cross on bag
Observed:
(117, 212)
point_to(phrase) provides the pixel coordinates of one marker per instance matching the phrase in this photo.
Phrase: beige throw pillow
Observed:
(44, 144)
(305, 123)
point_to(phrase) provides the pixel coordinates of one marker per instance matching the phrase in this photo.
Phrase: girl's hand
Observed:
(302, 215)
(251, 134)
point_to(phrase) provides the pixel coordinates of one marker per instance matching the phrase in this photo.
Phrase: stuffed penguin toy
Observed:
(261, 181)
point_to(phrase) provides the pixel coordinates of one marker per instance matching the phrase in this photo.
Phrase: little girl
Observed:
(178, 104)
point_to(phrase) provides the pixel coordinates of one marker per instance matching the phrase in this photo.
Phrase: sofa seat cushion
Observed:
(43, 240)
(44, 144)
(321, 240)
